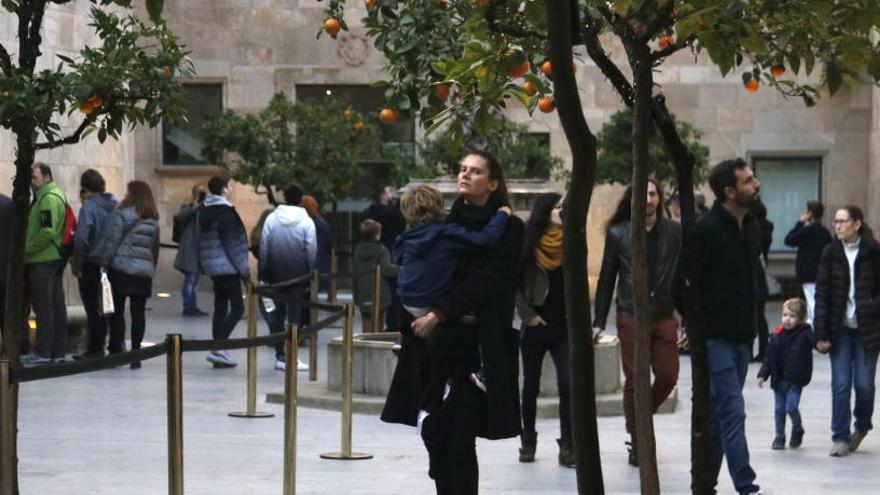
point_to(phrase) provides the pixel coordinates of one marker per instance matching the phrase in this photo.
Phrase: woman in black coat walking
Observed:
(847, 323)
(469, 327)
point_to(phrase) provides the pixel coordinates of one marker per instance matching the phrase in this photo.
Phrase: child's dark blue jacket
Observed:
(428, 255)
(789, 356)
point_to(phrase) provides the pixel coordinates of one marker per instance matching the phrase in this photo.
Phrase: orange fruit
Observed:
(777, 71)
(441, 91)
(546, 104)
(665, 41)
(519, 70)
(530, 88)
(166, 72)
(388, 116)
(371, 3)
(95, 101)
(85, 108)
(752, 85)
(441, 4)
(547, 69)
(359, 126)
(332, 26)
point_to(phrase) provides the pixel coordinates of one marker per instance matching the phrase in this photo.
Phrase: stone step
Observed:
(316, 395)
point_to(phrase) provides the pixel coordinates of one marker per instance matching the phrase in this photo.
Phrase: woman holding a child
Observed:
(469, 328)
(847, 325)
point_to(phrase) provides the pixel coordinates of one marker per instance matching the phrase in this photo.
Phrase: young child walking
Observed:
(789, 365)
(428, 251)
(368, 253)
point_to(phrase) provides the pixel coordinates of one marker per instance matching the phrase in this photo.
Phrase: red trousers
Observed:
(664, 362)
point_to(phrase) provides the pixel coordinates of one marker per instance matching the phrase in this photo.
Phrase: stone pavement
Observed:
(105, 433)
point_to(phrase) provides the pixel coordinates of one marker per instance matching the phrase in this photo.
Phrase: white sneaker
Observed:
(280, 365)
(33, 359)
(221, 360)
(301, 366)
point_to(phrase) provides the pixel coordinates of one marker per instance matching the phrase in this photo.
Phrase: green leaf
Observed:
(621, 7)
(154, 9)
(833, 77)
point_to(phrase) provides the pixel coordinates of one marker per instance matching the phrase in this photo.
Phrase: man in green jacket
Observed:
(45, 268)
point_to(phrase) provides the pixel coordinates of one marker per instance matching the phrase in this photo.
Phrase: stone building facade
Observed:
(249, 49)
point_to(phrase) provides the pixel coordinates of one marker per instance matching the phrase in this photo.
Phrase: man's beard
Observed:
(746, 200)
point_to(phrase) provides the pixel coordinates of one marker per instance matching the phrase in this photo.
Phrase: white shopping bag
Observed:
(106, 307)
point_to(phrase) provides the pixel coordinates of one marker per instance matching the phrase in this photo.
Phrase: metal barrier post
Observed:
(377, 299)
(313, 338)
(290, 403)
(175, 414)
(7, 430)
(334, 266)
(251, 408)
(347, 343)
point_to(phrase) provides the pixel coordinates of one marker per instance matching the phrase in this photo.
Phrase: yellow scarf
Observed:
(548, 252)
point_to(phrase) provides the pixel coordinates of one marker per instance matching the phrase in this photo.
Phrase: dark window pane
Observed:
(182, 144)
(786, 185)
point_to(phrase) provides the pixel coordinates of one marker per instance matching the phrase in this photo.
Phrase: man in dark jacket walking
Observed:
(726, 246)
(91, 229)
(663, 245)
(810, 237)
(5, 239)
(223, 256)
(186, 225)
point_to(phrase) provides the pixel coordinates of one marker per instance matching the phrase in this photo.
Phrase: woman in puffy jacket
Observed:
(130, 254)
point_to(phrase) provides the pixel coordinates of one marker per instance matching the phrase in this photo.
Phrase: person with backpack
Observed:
(47, 246)
(186, 235)
(94, 216)
(130, 253)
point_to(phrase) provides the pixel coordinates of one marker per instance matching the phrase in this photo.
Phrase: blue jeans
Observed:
(189, 290)
(788, 399)
(851, 365)
(728, 366)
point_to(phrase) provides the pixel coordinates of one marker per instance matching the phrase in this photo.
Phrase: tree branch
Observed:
(5, 61)
(665, 52)
(494, 26)
(619, 81)
(72, 139)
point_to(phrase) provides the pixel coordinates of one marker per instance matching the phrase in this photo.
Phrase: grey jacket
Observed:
(94, 217)
(532, 292)
(223, 247)
(617, 270)
(131, 244)
(288, 246)
(368, 254)
(187, 259)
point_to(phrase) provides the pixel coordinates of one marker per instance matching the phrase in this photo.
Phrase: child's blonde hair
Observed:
(422, 205)
(798, 307)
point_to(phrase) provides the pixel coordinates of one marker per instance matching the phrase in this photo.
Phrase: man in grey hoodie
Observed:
(91, 228)
(223, 256)
(288, 248)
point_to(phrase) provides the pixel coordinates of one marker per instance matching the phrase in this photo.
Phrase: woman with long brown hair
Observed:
(130, 254)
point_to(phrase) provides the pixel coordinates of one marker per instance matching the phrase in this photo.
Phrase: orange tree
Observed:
(495, 53)
(316, 144)
(127, 77)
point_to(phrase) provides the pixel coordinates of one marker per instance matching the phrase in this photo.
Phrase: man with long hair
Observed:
(664, 245)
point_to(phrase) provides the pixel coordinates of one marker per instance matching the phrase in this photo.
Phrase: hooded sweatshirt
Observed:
(92, 226)
(223, 246)
(428, 255)
(288, 245)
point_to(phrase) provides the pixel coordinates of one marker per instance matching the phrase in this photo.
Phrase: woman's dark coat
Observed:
(832, 291)
(484, 286)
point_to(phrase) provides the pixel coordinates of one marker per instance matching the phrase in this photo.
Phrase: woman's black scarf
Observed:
(473, 217)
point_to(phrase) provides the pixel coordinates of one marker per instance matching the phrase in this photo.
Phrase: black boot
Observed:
(566, 456)
(529, 440)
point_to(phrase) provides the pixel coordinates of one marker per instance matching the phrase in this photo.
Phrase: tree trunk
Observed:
(577, 202)
(702, 481)
(643, 84)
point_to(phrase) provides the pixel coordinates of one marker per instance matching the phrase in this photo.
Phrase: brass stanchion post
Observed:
(290, 403)
(334, 266)
(251, 407)
(175, 414)
(347, 343)
(7, 430)
(377, 299)
(313, 338)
